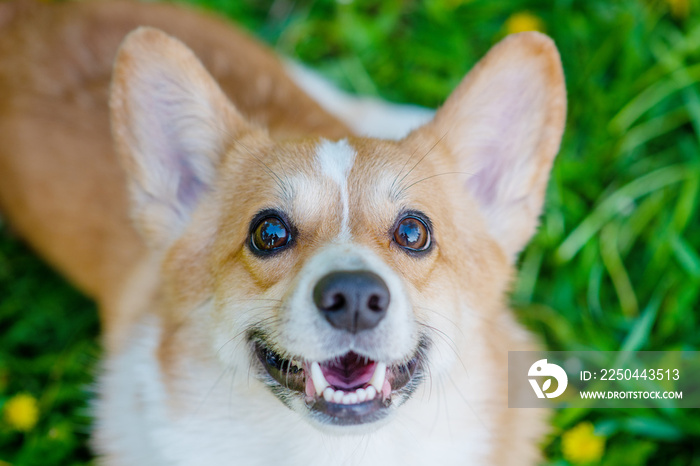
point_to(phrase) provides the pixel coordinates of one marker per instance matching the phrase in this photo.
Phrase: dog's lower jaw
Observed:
(208, 416)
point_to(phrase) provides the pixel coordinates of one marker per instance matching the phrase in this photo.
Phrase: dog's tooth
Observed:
(371, 392)
(338, 396)
(328, 394)
(361, 394)
(377, 380)
(320, 382)
(352, 398)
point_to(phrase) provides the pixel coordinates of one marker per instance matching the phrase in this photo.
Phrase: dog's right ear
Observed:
(502, 126)
(171, 124)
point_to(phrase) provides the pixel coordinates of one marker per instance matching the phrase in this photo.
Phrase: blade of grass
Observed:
(616, 269)
(615, 203)
(638, 337)
(651, 97)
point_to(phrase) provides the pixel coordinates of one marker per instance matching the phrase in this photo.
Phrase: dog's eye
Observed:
(412, 233)
(270, 233)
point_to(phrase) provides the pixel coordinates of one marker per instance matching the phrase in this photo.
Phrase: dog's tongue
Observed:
(349, 372)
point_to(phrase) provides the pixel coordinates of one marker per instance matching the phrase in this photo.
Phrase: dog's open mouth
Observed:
(348, 390)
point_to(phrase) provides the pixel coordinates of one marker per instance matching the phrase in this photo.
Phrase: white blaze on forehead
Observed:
(335, 160)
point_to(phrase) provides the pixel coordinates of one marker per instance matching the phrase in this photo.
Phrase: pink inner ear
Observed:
(189, 187)
(171, 122)
(484, 183)
(504, 140)
(176, 141)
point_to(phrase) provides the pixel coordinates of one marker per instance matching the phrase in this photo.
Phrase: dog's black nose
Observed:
(352, 301)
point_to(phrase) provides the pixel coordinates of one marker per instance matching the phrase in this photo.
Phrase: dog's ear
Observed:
(503, 125)
(171, 124)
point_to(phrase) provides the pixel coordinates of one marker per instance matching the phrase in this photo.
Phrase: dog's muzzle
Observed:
(352, 388)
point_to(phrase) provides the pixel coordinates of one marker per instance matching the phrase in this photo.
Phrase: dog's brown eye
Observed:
(412, 234)
(271, 233)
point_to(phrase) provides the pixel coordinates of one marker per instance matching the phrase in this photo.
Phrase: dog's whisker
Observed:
(430, 378)
(247, 329)
(406, 188)
(419, 161)
(230, 390)
(459, 391)
(442, 316)
(396, 178)
(449, 341)
(259, 299)
(497, 325)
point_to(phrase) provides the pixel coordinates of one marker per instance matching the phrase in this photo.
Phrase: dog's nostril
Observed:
(337, 304)
(374, 303)
(352, 300)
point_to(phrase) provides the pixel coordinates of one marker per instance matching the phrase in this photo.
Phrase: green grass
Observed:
(48, 349)
(615, 265)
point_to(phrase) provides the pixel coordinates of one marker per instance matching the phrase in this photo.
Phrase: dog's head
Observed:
(340, 274)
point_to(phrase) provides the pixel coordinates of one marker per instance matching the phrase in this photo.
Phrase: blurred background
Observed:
(616, 262)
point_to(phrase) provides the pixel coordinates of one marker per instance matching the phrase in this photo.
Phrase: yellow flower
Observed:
(523, 21)
(22, 412)
(581, 445)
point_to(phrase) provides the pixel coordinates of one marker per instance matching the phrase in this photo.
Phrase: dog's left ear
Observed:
(171, 125)
(503, 125)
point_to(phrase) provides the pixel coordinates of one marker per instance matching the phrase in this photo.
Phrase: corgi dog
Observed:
(285, 274)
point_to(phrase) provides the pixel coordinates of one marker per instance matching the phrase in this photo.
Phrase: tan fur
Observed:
(179, 297)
